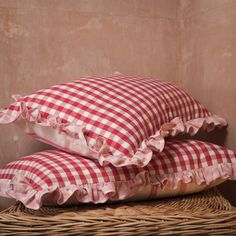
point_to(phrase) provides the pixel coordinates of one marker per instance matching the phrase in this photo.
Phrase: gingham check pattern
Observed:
(124, 110)
(55, 167)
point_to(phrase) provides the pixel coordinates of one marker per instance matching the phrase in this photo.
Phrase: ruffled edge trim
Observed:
(20, 189)
(72, 138)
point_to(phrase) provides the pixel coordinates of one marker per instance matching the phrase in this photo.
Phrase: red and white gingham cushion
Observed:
(117, 119)
(58, 176)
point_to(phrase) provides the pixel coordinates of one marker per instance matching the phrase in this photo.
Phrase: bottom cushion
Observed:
(54, 177)
(149, 191)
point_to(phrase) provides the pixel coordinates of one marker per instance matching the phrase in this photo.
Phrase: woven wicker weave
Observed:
(207, 213)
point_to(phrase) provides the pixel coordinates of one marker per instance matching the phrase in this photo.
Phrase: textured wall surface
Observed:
(208, 61)
(188, 42)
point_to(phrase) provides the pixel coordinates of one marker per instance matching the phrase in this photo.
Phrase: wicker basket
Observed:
(206, 213)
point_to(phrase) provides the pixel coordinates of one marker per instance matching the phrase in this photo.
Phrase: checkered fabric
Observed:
(108, 118)
(62, 174)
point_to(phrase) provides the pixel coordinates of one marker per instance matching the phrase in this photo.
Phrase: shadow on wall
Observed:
(217, 136)
(224, 189)
(5, 203)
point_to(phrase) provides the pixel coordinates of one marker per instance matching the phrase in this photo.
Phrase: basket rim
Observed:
(148, 219)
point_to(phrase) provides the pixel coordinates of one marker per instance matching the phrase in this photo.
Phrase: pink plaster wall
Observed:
(208, 62)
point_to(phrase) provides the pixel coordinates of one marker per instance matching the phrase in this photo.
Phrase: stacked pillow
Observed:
(115, 140)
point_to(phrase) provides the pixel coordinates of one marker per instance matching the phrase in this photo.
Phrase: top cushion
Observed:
(117, 119)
